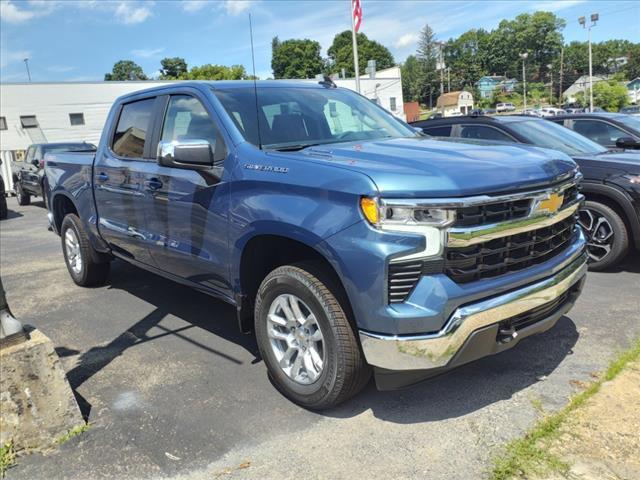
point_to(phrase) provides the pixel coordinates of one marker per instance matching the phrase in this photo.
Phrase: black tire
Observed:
(3, 206)
(344, 371)
(23, 197)
(93, 270)
(618, 242)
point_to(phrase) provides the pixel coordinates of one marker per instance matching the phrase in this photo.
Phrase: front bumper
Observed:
(454, 345)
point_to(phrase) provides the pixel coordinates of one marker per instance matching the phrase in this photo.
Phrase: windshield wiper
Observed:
(293, 148)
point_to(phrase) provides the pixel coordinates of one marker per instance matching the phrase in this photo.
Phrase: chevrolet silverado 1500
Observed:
(348, 242)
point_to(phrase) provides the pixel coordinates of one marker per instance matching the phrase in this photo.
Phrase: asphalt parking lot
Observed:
(171, 389)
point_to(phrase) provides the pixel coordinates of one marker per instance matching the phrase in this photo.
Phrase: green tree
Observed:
(125, 70)
(341, 53)
(412, 79)
(428, 54)
(632, 68)
(172, 68)
(611, 95)
(465, 56)
(215, 72)
(296, 58)
(538, 34)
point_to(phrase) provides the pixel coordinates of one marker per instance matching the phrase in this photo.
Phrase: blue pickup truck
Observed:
(348, 242)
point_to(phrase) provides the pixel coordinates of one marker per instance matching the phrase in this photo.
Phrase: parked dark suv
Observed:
(611, 130)
(611, 185)
(29, 175)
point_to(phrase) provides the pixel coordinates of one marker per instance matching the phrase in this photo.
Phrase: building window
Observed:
(3, 123)
(76, 119)
(29, 121)
(392, 103)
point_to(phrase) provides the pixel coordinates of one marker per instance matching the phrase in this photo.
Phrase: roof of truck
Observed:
(231, 84)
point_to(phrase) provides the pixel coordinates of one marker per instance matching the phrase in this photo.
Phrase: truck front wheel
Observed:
(305, 338)
(81, 259)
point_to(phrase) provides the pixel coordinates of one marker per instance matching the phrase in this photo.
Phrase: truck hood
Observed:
(421, 167)
(627, 162)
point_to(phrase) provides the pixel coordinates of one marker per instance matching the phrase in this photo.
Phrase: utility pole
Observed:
(448, 79)
(440, 45)
(550, 67)
(26, 64)
(560, 97)
(582, 21)
(524, 56)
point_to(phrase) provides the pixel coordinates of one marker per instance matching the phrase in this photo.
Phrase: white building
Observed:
(455, 103)
(76, 111)
(582, 85)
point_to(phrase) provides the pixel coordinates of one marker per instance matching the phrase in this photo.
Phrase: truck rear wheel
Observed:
(306, 339)
(23, 197)
(81, 259)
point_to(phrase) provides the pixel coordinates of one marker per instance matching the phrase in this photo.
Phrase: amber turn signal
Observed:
(369, 208)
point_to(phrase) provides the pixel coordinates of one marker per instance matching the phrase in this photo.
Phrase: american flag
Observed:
(356, 10)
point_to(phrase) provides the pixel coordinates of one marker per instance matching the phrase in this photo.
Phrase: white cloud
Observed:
(60, 68)
(147, 52)
(407, 39)
(555, 6)
(236, 7)
(11, 13)
(193, 5)
(7, 58)
(130, 14)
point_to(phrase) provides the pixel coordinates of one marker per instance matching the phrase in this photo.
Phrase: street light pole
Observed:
(26, 64)
(524, 56)
(582, 21)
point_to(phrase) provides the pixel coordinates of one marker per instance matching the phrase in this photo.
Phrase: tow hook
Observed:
(506, 333)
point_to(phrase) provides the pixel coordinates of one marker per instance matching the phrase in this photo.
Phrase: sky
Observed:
(69, 40)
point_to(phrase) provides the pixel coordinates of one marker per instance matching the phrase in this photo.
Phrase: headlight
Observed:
(401, 215)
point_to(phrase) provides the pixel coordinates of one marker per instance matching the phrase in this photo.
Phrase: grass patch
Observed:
(74, 432)
(530, 454)
(7, 458)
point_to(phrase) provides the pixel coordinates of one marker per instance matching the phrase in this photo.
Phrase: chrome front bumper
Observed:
(436, 350)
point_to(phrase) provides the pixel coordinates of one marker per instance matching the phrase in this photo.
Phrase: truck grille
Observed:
(492, 213)
(508, 254)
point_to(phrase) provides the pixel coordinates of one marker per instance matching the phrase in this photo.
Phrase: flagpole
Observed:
(355, 48)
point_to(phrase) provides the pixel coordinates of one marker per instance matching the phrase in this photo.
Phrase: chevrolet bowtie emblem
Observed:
(551, 204)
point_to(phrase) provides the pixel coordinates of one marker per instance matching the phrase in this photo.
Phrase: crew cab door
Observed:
(29, 170)
(118, 176)
(189, 207)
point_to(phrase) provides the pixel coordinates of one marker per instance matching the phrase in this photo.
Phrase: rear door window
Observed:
(131, 130)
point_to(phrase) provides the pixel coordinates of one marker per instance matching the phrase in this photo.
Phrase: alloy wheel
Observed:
(296, 339)
(72, 247)
(599, 233)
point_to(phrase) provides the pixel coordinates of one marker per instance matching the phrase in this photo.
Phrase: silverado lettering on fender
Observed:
(348, 242)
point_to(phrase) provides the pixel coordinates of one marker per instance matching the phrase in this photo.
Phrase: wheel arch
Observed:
(262, 253)
(61, 205)
(617, 200)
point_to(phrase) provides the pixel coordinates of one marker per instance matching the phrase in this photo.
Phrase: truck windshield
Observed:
(543, 133)
(295, 118)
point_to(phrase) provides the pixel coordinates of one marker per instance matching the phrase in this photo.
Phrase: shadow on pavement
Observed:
(13, 214)
(168, 298)
(453, 394)
(472, 386)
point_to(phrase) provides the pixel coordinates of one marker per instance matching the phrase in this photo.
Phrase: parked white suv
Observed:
(551, 112)
(505, 107)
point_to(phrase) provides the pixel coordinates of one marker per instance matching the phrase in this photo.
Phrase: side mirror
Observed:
(35, 162)
(627, 142)
(192, 154)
